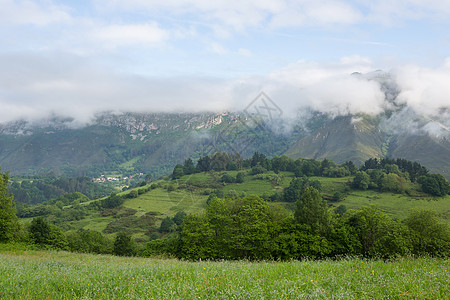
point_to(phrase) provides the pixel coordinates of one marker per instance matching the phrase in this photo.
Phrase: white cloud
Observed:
(37, 86)
(425, 90)
(30, 12)
(327, 88)
(134, 34)
(73, 86)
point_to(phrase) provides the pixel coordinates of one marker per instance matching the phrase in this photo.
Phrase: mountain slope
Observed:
(342, 139)
(147, 142)
(153, 143)
(429, 151)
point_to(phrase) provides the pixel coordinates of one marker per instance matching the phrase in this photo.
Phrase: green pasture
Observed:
(30, 274)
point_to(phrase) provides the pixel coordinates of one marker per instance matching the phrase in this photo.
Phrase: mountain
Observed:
(360, 138)
(429, 151)
(153, 143)
(342, 139)
(129, 142)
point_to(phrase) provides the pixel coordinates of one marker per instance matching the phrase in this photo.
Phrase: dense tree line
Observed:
(38, 189)
(414, 169)
(259, 163)
(252, 228)
(381, 174)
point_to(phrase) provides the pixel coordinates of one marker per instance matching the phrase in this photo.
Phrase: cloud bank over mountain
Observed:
(33, 87)
(76, 59)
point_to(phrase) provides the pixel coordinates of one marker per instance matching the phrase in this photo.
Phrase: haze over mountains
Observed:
(155, 142)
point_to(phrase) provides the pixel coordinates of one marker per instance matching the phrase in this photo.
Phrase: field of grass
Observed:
(397, 205)
(332, 185)
(167, 203)
(60, 275)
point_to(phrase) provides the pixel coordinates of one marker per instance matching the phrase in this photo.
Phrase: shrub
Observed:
(240, 177)
(258, 169)
(227, 178)
(124, 245)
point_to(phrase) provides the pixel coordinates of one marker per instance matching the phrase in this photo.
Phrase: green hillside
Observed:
(142, 215)
(227, 207)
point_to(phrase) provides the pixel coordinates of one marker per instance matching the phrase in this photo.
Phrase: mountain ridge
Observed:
(155, 142)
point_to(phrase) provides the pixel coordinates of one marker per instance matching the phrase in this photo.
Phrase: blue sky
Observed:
(80, 57)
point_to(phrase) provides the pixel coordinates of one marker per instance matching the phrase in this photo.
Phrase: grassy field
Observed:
(60, 275)
(398, 205)
(167, 203)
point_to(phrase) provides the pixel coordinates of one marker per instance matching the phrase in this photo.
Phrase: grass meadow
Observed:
(31, 274)
(168, 203)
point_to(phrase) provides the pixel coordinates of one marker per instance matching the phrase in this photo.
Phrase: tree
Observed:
(350, 167)
(167, 225)
(428, 235)
(178, 172)
(114, 200)
(232, 166)
(87, 241)
(258, 158)
(435, 184)
(204, 164)
(124, 245)
(133, 194)
(311, 210)
(377, 233)
(371, 163)
(258, 169)
(325, 166)
(189, 167)
(310, 167)
(227, 178)
(8, 218)
(393, 183)
(240, 177)
(340, 210)
(219, 161)
(46, 234)
(297, 186)
(281, 163)
(361, 180)
(148, 178)
(295, 189)
(196, 238)
(39, 231)
(179, 217)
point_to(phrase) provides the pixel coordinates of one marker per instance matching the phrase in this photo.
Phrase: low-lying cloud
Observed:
(34, 87)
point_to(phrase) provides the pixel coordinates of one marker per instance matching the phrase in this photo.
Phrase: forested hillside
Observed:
(271, 208)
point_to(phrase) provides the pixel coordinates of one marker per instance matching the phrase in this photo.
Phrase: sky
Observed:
(78, 58)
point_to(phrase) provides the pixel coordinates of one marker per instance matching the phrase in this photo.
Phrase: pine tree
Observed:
(8, 218)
